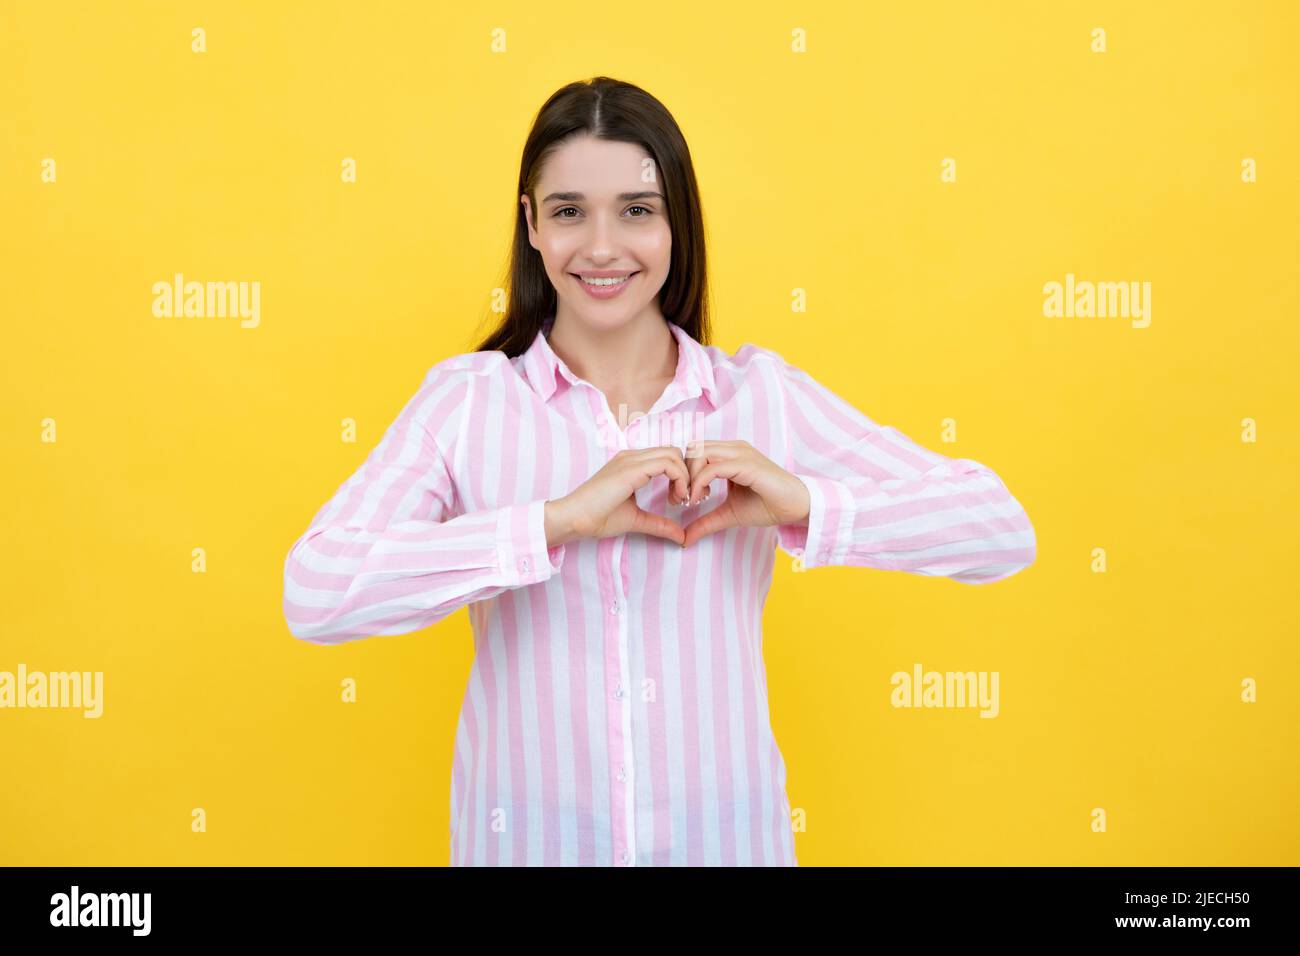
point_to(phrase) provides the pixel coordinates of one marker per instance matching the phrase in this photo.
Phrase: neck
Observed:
(613, 359)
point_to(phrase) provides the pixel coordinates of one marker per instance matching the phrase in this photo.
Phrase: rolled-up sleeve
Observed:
(880, 500)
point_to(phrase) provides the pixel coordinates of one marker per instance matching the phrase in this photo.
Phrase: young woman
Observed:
(605, 492)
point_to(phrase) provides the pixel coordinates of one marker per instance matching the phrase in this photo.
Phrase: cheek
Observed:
(557, 252)
(654, 249)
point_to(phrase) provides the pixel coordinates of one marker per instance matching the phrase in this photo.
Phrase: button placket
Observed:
(611, 555)
(624, 792)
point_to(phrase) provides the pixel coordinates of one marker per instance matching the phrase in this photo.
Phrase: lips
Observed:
(605, 274)
(605, 291)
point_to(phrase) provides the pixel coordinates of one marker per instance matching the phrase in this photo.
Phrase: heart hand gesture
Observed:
(759, 491)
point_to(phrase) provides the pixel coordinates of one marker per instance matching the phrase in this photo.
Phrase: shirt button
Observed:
(613, 608)
(524, 564)
(621, 775)
(626, 856)
(618, 691)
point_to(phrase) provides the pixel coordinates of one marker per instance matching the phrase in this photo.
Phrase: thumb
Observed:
(706, 524)
(647, 522)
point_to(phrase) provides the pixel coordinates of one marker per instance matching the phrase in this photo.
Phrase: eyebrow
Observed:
(622, 197)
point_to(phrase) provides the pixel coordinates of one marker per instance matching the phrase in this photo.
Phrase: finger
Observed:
(667, 460)
(712, 448)
(697, 458)
(671, 465)
(706, 524)
(704, 453)
(733, 470)
(683, 489)
(682, 476)
(647, 522)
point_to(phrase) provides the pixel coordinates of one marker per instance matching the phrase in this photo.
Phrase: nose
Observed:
(600, 239)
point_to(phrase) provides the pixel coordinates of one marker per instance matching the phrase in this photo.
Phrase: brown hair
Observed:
(612, 110)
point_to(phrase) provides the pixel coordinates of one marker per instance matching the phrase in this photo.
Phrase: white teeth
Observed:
(615, 281)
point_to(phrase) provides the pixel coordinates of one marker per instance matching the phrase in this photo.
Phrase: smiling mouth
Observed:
(604, 283)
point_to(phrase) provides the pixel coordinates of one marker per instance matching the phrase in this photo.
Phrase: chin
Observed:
(607, 321)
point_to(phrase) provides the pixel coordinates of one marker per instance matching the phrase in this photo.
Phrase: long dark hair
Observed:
(612, 110)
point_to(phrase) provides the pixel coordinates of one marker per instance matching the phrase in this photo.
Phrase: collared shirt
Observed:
(617, 711)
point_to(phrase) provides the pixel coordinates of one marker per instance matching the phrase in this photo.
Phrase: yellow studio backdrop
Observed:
(888, 189)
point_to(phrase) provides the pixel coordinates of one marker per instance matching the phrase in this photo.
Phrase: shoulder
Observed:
(751, 353)
(467, 365)
(442, 402)
(750, 361)
(466, 374)
(758, 368)
(449, 384)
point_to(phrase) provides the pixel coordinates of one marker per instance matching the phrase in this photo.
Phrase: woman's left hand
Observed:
(759, 491)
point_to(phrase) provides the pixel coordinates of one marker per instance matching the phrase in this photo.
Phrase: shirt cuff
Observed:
(829, 514)
(523, 557)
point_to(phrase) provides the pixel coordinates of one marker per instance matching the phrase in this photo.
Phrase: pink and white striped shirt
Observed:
(617, 711)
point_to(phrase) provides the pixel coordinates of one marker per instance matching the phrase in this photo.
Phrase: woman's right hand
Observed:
(605, 505)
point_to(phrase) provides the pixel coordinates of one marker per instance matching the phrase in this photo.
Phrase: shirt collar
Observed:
(694, 368)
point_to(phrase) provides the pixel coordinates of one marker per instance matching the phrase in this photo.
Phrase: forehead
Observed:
(596, 167)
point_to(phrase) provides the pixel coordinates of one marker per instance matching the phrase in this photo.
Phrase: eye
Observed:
(558, 214)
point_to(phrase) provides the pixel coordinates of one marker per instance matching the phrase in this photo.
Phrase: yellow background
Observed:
(819, 171)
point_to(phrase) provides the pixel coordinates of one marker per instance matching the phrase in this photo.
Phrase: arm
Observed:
(388, 555)
(880, 500)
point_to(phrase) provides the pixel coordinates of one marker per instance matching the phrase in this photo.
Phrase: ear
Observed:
(528, 219)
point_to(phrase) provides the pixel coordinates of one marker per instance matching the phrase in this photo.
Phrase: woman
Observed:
(615, 564)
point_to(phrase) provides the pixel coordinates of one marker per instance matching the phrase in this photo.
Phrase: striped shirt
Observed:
(616, 711)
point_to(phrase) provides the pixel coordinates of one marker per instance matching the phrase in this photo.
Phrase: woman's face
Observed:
(601, 213)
